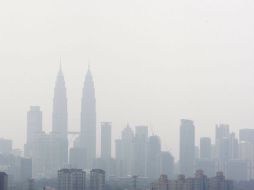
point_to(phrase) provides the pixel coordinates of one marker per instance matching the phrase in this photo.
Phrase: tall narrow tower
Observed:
(187, 147)
(60, 121)
(88, 120)
(60, 114)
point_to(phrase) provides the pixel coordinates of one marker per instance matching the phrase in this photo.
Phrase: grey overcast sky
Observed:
(153, 61)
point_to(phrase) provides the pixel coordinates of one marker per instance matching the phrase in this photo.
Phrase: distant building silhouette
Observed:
(162, 184)
(34, 128)
(3, 181)
(187, 147)
(199, 182)
(5, 146)
(227, 146)
(71, 179)
(97, 179)
(127, 151)
(18, 169)
(167, 164)
(207, 165)
(60, 120)
(124, 149)
(219, 182)
(77, 157)
(88, 120)
(140, 151)
(246, 135)
(205, 148)
(238, 170)
(106, 162)
(106, 140)
(154, 157)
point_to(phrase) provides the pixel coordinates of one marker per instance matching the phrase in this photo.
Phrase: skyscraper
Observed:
(106, 140)
(3, 181)
(246, 135)
(167, 164)
(140, 151)
(187, 147)
(127, 150)
(5, 146)
(88, 120)
(60, 120)
(205, 148)
(34, 128)
(34, 123)
(162, 184)
(222, 131)
(60, 114)
(154, 157)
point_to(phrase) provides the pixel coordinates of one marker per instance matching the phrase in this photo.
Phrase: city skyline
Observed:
(153, 63)
(152, 128)
(127, 95)
(138, 153)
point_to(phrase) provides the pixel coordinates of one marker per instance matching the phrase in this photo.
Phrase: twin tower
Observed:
(87, 137)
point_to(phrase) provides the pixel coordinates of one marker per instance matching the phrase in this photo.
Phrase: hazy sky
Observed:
(153, 61)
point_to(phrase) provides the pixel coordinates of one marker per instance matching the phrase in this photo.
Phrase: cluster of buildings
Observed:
(136, 152)
(18, 167)
(75, 179)
(139, 157)
(199, 182)
(229, 154)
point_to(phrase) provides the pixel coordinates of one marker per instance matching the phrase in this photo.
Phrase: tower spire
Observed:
(89, 64)
(60, 65)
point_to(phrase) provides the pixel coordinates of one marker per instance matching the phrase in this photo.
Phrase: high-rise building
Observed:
(60, 120)
(162, 184)
(88, 120)
(167, 164)
(60, 113)
(154, 157)
(25, 165)
(227, 148)
(127, 154)
(206, 165)
(237, 170)
(106, 162)
(246, 135)
(3, 181)
(140, 151)
(200, 181)
(187, 147)
(220, 183)
(222, 131)
(34, 128)
(246, 152)
(45, 151)
(119, 158)
(124, 149)
(97, 179)
(106, 140)
(222, 144)
(77, 157)
(71, 179)
(18, 169)
(205, 148)
(5, 146)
